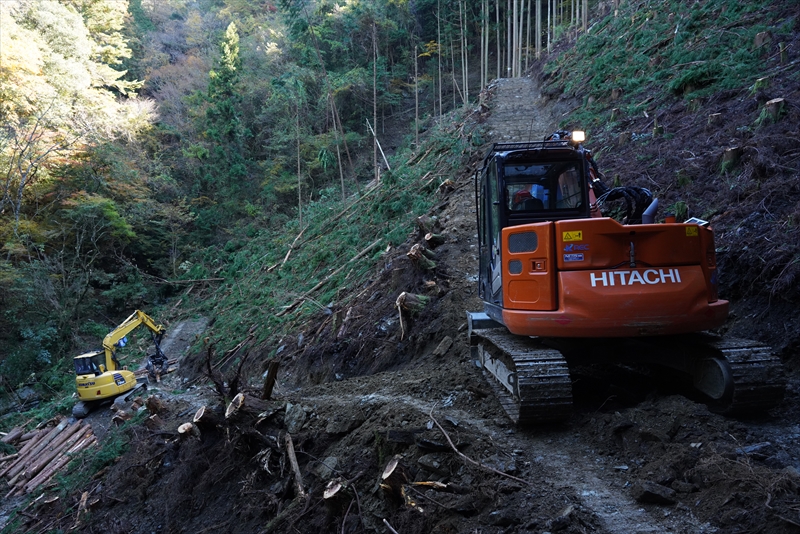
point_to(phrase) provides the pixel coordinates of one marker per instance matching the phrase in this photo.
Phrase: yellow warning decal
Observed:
(575, 235)
(691, 231)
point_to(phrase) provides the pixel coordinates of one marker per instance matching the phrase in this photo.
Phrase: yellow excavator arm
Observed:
(134, 321)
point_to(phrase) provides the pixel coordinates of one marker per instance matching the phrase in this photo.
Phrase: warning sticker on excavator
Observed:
(575, 235)
(691, 231)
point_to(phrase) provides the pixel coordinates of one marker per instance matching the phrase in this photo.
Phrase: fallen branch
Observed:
(470, 460)
(298, 478)
(291, 247)
(178, 282)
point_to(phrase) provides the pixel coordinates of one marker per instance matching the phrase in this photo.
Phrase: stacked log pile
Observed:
(42, 452)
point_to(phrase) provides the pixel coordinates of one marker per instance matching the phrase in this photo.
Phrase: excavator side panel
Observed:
(529, 269)
(104, 386)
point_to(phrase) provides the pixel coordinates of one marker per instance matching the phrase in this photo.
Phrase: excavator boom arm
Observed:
(136, 319)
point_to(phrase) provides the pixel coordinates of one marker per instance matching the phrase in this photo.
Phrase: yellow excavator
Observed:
(99, 375)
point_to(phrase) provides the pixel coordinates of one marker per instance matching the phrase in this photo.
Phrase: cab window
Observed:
(543, 187)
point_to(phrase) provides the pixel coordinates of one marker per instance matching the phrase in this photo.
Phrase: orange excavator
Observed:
(561, 282)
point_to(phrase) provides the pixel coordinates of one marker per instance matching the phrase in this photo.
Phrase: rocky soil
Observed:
(358, 390)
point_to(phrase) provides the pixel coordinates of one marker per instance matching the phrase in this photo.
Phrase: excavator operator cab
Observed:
(91, 363)
(525, 183)
(538, 187)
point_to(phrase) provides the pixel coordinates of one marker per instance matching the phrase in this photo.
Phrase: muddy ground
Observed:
(357, 389)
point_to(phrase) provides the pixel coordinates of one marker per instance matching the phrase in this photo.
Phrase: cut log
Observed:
(298, 478)
(22, 454)
(32, 455)
(246, 405)
(269, 381)
(9, 457)
(412, 302)
(48, 472)
(434, 240)
(58, 446)
(28, 435)
(13, 435)
(420, 259)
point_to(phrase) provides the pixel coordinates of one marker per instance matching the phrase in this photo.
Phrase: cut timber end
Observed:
(434, 240)
(234, 406)
(187, 430)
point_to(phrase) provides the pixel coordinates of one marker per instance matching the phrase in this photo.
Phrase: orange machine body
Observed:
(550, 266)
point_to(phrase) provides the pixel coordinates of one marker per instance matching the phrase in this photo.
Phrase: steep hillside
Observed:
(410, 392)
(363, 386)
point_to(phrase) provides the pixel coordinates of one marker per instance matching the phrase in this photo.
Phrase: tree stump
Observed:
(205, 417)
(188, 430)
(447, 186)
(420, 259)
(336, 497)
(154, 405)
(775, 107)
(269, 381)
(731, 157)
(412, 302)
(426, 224)
(153, 422)
(761, 39)
(394, 475)
(434, 240)
(624, 138)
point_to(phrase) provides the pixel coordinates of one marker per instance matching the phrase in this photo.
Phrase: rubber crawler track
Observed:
(544, 388)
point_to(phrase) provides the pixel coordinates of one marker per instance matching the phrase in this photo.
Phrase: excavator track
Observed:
(757, 376)
(531, 380)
